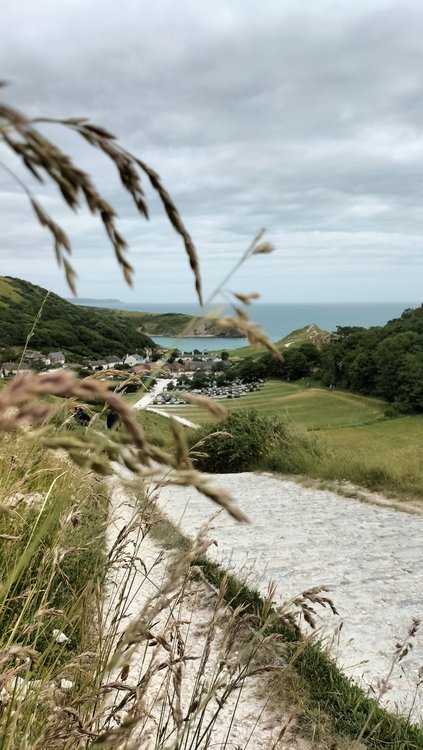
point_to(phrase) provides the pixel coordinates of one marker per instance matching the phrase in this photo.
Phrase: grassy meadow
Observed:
(311, 408)
(363, 446)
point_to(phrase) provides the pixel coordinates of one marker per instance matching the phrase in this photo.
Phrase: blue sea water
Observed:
(277, 319)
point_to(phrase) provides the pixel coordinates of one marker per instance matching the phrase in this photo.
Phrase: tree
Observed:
(295, 364)
(225, 355)
(199, 379)
(410, 389)
(311, 353)
(390, 358)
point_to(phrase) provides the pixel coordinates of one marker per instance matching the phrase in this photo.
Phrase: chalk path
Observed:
(245, 719)
(369, 557)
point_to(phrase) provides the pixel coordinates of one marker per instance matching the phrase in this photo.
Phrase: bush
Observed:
(252, 441)
(242, 445)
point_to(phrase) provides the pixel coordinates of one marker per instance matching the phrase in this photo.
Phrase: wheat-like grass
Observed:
(42, 158)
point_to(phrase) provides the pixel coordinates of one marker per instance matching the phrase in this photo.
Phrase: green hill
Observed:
(78, 331)
(178, 325)
(310, 334)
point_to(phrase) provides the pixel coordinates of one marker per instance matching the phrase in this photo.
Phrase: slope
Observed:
(79, 331)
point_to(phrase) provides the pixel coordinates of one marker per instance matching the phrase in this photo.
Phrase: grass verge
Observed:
(52, 555)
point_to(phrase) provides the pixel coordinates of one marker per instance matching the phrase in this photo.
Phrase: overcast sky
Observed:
(303, 118)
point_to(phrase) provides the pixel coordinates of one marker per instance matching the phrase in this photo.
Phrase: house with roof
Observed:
(33, 356)
(57, 358)
(134, 359)
(143, 367)
(112, 362)
(177, 367)
(201, 364)
(12, 368)
(98, 364)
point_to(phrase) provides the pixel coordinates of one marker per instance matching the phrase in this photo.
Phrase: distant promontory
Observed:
(93, 301)
(178, 325)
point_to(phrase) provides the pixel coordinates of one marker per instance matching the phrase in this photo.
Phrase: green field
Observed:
(386, 456)
(312, 408)
(363, 446)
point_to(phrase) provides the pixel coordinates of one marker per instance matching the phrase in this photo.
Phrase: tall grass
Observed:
(51, 563)
(398, 475)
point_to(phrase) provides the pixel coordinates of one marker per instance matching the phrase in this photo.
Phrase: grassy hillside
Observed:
(312, 408)
(174, 324)
(310, 334)
(78, 331)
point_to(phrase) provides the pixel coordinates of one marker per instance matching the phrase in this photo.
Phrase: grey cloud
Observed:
(304, 119)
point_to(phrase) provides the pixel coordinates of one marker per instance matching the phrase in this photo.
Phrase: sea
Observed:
(276, 319)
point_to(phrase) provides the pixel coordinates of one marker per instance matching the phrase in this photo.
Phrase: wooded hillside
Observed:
(81, 331)
(384, 361)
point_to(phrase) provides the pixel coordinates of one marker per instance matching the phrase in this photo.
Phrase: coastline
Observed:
(194, 336)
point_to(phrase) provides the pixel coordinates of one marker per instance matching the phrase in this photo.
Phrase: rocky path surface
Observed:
(199, 627)
(369, 557)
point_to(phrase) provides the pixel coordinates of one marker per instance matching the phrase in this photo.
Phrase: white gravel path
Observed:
(370, 558)
(244, 719)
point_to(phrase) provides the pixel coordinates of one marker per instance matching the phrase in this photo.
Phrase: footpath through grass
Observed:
(330, 695)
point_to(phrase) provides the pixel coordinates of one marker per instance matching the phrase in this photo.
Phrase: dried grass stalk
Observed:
(42, 158)
(253, 332)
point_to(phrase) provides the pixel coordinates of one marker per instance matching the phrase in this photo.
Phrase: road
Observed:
(148, 398)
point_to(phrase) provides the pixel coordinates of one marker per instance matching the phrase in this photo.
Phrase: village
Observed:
(136, 363)
(200, 372)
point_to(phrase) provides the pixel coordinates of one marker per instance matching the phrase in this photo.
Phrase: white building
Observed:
(134, 359)
(57, 358)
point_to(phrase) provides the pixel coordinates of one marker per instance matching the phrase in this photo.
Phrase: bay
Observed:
(277, 319)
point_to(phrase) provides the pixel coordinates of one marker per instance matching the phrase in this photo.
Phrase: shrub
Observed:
(238, 443)
(247, 440)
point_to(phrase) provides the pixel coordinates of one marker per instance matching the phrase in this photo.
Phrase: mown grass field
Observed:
(311, 408)
(362, 446)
